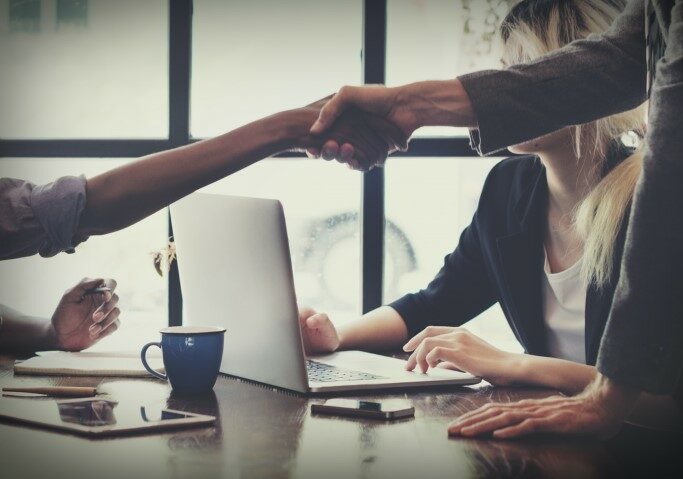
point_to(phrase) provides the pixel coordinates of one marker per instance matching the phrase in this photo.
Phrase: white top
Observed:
(564, 308)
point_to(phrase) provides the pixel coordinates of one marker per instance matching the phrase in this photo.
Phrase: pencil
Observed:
(59, 391)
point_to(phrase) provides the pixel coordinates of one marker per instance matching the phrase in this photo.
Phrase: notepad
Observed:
(88, 364)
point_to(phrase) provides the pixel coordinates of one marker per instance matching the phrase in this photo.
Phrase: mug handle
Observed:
(143, 355)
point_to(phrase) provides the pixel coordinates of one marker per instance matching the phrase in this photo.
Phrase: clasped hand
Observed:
(358, 126)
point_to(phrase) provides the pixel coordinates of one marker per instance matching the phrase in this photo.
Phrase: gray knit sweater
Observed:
(588, 79)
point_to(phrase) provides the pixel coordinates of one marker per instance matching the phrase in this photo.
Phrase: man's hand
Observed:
(318, 332)
(376, 99)
(81, 319)
(457, 348)
(598, 411)
(407, 107)
(382, 119)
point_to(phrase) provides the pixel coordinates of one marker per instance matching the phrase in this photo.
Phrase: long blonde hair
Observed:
(534, 28)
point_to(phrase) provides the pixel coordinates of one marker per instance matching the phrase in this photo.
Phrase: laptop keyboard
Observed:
(326, 373)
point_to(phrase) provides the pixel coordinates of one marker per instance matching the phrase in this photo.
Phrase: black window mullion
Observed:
(372, 206)
(179, 68)
(116, 148)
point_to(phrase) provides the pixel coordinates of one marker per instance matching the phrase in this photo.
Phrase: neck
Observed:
(570, 178)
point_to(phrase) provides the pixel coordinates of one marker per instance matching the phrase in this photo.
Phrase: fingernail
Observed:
(98, 316)
(95, 329)
(107, 296)
(327, 153)
(315, 127)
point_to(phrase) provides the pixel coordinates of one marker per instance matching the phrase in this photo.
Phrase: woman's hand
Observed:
(318, 332)
(459, 349)
(81, 319)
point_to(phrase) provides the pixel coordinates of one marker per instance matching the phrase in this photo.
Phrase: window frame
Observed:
(179, 73)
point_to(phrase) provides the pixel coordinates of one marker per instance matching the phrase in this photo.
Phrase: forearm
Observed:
(436, 103)
(641, 345)
(20, 333)
(125, 195)
(581, 82)
(380, 329)
(553, 373)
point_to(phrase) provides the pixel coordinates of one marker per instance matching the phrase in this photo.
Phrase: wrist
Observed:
(436, 103)
(517, 368)
(618, 398)
(50, 337)
(292, 129)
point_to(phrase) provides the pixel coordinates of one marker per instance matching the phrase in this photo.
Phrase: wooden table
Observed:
(266, 433)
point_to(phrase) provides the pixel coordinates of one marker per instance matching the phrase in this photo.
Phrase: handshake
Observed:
(359, 126)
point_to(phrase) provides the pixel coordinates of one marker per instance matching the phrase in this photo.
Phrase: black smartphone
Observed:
(387, 410)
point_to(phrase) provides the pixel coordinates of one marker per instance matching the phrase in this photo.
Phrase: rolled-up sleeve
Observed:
(40, 218)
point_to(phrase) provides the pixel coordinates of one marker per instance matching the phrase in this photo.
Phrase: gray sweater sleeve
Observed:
(643, 340)
(588, 79)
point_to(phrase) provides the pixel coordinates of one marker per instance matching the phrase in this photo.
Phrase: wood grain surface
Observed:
(262, 432)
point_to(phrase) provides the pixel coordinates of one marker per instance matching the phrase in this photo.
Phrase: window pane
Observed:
(35, 285)
(84, 69)
(441, 39)
(321, 203)
(429, 201)
(251, 59)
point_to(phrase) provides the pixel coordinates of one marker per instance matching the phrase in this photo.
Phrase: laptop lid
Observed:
(235, 272)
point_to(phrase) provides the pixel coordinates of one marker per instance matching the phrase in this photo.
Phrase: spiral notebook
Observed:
(88, 364)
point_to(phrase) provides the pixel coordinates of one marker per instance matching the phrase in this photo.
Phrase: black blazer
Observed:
(500, 259)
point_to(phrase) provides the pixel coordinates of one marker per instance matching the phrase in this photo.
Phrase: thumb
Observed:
(77, 292)
(316, 320)
(332, 109)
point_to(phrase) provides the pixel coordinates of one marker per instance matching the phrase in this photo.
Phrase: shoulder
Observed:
(513, 176)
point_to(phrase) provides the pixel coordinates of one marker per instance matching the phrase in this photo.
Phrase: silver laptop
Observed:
(235, 271)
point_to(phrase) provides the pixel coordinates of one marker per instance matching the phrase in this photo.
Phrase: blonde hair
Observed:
(534, 28)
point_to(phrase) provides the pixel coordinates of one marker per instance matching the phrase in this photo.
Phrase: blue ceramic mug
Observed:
(192, 357)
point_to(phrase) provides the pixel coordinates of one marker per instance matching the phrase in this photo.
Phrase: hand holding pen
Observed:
(87, 313)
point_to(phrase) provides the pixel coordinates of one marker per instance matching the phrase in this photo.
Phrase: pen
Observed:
(101, 289)
(61, 391)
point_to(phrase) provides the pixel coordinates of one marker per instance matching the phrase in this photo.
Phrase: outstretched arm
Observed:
(56, 217)
(587, 79)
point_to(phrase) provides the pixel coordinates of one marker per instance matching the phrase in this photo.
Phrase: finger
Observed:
(78, 292)
(330, 150)
(112, 317)
(502, 420)
(472, 417)
(313, 153)
(319, 322)
(411, 362)
(110, 329)
(329, 113)
(305, 312)
(529, 426)
(426, 333)
(346, 152)
(103, 311)
(110, 283)
(442, 351)
(426, 348)
(97, 328)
